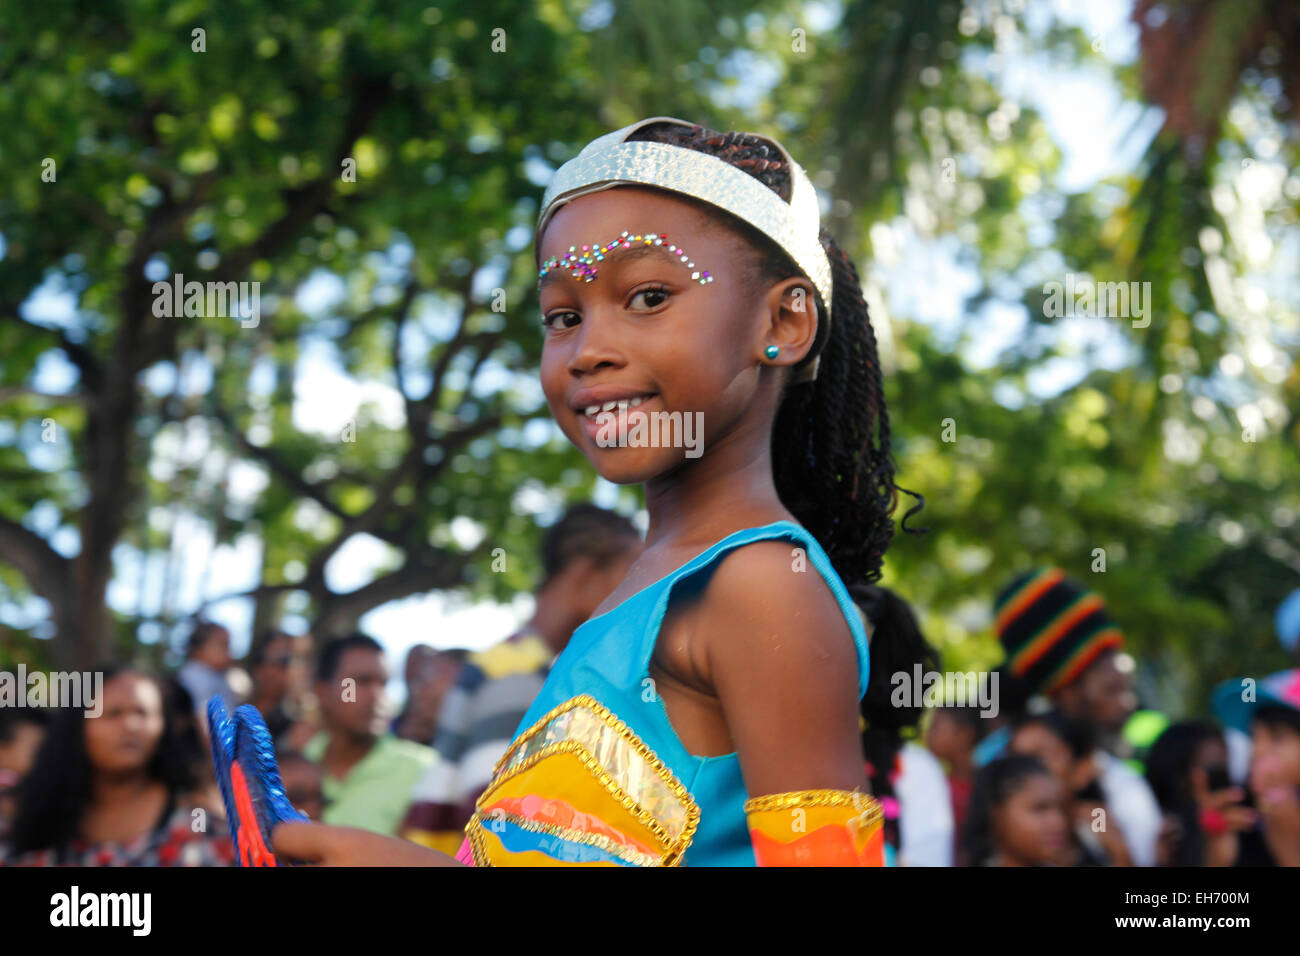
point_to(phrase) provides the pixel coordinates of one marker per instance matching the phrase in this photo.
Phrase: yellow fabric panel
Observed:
(788, 817)
(786, 826)
(620, 758)
(563, 776)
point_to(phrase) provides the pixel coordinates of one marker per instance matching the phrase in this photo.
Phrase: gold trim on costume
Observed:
(869, 805)
(629, 771)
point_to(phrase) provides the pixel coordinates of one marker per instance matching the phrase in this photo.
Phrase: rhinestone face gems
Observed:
(582, 263)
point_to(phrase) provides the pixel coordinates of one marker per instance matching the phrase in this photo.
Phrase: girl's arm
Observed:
(348, 846)
(781, 658)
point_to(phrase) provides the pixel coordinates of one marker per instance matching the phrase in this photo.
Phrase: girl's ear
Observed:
(792, 322)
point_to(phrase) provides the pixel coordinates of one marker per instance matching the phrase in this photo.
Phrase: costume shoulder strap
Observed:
(813, 552)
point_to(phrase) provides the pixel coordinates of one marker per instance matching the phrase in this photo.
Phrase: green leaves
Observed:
(229, 164)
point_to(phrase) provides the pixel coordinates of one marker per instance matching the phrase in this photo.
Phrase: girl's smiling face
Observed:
(644, 329)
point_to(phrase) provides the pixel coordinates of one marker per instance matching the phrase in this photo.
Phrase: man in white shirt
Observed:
(925, 824)
(1131, 803)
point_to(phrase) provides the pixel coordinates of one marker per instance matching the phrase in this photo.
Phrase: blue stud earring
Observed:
(772, 351)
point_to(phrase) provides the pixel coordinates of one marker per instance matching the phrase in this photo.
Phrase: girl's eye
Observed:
(548, 321)
(652, 297)
(659, 293)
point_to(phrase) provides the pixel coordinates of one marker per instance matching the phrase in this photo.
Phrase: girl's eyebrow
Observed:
(625, 255)
(584, 265)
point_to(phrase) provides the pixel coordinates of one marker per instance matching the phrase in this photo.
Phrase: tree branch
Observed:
(303, 202)
(316, 491)
(16, 391)
(48, 572)
(87, 364)
(427, 570)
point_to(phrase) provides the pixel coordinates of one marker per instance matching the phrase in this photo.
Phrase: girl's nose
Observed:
(596, 346)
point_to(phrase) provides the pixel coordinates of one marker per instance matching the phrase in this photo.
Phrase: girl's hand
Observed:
(321, 845)
(1231, 815)
(1221, 818)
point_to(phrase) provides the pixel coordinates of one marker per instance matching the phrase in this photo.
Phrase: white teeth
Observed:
(624, 404)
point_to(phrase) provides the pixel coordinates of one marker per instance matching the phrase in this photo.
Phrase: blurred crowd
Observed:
(1065, 770)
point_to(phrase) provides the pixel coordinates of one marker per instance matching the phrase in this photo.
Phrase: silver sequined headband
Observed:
(610, 161)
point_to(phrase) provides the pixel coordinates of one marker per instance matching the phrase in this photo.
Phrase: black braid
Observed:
(831, 456)
(897, 645)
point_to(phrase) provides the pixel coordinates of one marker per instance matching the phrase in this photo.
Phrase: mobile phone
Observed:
(1217, 779)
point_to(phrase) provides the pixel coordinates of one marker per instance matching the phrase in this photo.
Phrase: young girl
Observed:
(1017, 815)
(1271, 715)
(1187, 768)
(1066, 747)
(704, 337)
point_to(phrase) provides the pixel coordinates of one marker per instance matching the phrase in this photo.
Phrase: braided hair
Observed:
(831, 456)
(897, 643)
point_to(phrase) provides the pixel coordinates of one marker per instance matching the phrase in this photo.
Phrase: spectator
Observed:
(1270, 711)
(21, 731)
(1061, 643)
(1065, 746)
(116, 790)
(952, 736)
(1187, 768)
(207, 661)
(585, 555)
(1017, 815)
(303, 784)
(190, 731)
(429, 675)
(368, 773)
(275, 663)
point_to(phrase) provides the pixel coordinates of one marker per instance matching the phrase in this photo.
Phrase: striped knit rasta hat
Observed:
(1052, 628)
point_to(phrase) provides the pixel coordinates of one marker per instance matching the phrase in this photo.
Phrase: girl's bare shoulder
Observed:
(768, 596)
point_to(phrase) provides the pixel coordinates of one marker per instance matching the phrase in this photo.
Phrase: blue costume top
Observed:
(596, 774)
